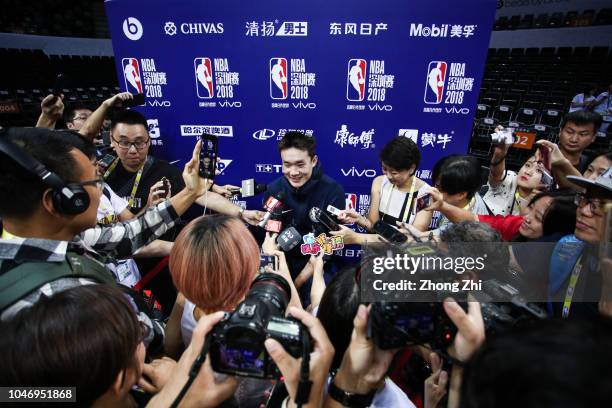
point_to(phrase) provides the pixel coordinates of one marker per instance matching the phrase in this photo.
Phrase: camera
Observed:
(237, 342)
(503, 136)
(399, 324)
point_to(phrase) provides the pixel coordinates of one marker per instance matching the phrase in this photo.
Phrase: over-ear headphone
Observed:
(70, 199)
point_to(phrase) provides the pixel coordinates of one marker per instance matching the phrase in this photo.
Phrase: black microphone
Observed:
(273, 204)
(289, 239)
(321, 217)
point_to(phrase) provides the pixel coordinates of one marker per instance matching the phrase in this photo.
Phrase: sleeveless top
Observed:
(396, 205)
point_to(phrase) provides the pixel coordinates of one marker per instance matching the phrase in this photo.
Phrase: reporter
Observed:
(548, 213)
(207, 389)
(212, 263)
(86, 337)
(320, 360)
(361, 366)
(394, 194)
(457, 177)
(554, 364)
(509, 193)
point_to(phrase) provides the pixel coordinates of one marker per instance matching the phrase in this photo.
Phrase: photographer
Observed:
(548, 213)
(359, 366)
(458, 179)
(102, 360)
(598, 163)
(552, 364)
(46, 228)
(509, 193)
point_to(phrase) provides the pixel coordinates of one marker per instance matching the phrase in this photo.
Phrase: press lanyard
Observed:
(517, 202)
(136, 181)
(7, 235)
(468, 207)
(407, 212)
(108, 218)
(569, 294)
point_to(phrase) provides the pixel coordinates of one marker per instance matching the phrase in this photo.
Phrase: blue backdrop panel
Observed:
(353, 74)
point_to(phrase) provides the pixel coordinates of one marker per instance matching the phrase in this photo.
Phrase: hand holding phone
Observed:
(136, 100)
(423, 202)
(268, 263)
(389, 233)
(545, 157)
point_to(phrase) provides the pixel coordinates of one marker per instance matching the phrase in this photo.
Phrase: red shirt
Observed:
(508, 226)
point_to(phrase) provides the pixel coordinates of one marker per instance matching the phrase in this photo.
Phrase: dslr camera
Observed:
(400, 324)
(237, 342)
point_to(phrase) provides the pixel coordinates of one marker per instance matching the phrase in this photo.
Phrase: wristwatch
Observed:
(240, 212)
(349, 399)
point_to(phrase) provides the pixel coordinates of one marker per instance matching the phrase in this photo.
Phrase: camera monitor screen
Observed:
(241, 359)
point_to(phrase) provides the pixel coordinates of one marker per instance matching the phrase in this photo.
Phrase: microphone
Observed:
(289, 239)
(273, 204)
(250, 188)
(320, 217)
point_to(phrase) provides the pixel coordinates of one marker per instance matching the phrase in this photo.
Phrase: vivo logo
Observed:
(302, 105)
(431, 31)
(460, 111)
(157, 103)
(230, 104)
(377, 107)
(353, 172)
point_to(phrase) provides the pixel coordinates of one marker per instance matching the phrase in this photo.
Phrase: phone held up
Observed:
(208, 156)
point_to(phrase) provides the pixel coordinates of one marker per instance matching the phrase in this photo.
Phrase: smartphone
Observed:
(61, 82)
(166, 187)
(267, 260)
(545, 155)
(389, 233)
(106, 161)
(547, 180)
(333, 210)
(137, 100)
(208, 156)
(423, 202)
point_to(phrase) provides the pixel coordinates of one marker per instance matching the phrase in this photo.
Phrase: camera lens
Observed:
(273, 290)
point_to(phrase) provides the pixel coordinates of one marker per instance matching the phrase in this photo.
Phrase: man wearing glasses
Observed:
(54, 237)
(580, 282)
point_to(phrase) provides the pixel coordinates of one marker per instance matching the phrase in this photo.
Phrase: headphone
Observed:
(69, 199)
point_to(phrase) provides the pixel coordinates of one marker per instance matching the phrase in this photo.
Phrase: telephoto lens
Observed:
(237, 343)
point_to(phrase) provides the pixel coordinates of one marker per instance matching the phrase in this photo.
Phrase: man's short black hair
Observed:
(546, 364)
(69, 111)
(401, 153)
(583, 117)
(52, 149)
(300, 141)
(128, 117)
(459, 174)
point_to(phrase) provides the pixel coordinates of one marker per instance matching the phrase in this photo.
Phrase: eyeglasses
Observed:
(98, 182)
(595, 204)
(79, 118)
(124, 144)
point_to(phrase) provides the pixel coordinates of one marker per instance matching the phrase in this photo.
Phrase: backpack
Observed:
(26, 277)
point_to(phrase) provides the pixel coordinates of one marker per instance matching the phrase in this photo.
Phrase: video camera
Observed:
(237, 342)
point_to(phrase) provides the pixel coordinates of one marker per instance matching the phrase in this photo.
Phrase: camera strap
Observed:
(303, 390)
(193, 372)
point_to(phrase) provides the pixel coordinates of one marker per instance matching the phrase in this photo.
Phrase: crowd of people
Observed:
(109, 285)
